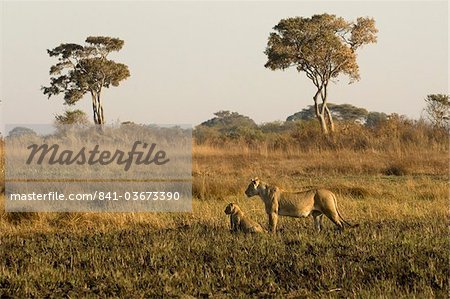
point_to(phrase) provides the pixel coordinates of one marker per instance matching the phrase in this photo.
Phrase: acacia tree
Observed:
(86, 69)
(323, 46)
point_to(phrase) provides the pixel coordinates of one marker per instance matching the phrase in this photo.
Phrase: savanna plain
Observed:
(395, 187)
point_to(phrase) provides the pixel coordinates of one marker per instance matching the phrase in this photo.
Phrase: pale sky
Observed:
(191, 59)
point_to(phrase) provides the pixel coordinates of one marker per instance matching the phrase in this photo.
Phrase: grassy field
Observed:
(401, 249)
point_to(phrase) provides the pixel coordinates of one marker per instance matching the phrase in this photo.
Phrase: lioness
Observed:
(240, 222)
(316, 202)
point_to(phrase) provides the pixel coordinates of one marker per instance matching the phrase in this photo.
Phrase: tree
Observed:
(438, 110)
(228, 124)
(72, 117)
(375, 119)
(323, 46)
(343, 112)
(86, 69)
(21, 131)
(229, 120)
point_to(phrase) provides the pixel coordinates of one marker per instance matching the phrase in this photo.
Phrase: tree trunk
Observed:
(97, 108)
(320, 114)
(94, 107)
(329, 118)
(325, 112)
(100, 110)
(323, 124)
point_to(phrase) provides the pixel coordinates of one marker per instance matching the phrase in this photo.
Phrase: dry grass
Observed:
(219, 172)
(399, 198)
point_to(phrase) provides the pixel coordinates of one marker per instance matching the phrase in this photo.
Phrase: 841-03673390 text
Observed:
(98, 195)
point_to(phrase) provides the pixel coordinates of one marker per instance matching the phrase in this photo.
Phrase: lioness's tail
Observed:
(340, 216)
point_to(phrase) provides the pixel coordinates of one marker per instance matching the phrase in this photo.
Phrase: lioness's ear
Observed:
(255, 181)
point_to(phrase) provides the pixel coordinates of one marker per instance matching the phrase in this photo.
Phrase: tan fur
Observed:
(240, 222)
(315, 202)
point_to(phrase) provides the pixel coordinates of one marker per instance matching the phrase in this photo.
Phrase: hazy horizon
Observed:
(189, 60)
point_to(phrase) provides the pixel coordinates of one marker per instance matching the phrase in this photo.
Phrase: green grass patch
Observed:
(376, 259)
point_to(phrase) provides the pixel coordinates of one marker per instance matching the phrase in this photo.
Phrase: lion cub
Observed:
(240, 222)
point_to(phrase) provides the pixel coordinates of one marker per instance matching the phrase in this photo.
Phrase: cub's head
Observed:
(252, 188)
(231, 208)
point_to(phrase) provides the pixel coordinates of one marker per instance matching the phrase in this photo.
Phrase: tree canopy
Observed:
(228, 125)
(227, 120)
(21, 131)
(323, 47)
(375, 119)
(85, 69)
(343, 112)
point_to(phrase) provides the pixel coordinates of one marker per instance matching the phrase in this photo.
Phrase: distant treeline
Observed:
(357, 129)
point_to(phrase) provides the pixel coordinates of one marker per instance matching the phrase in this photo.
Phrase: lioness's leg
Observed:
(334, 217)
(273, 220)
(317, 219)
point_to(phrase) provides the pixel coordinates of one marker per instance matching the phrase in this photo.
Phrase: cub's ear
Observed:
(229, 208)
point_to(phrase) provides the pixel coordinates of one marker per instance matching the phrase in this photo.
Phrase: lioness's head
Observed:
(252, 188)
(230, 208)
